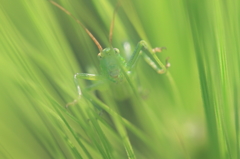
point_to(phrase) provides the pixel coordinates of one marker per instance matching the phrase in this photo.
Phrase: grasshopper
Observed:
(114, 68)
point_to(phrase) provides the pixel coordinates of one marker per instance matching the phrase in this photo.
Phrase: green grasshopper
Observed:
(113, 66)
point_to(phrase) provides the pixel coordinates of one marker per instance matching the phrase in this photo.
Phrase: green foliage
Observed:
(190, 112)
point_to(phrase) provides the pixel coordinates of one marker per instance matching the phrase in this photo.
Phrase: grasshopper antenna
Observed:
(112, 23)
(88, 32)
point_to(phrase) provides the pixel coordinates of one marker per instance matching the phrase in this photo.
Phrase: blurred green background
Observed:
(191, 112)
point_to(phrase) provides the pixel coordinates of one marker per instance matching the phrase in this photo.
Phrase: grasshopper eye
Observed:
(99, 56)
(116, 50)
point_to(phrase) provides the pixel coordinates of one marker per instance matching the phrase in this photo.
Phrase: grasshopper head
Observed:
(108, 52)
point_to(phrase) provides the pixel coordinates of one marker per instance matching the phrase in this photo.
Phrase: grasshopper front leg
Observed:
(148, 55)
(85, 76)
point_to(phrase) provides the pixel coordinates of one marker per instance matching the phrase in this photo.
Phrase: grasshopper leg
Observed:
(149, 56)
(85, 76)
